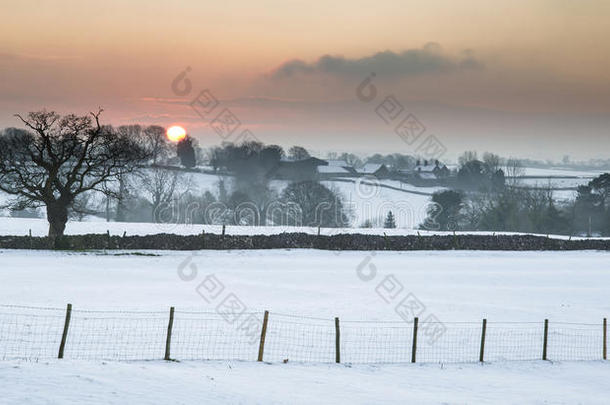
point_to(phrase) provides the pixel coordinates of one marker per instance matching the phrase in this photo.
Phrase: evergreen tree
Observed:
(390, 222)
(444, 214)
(186, 152)
(601, 186)
(587, 209)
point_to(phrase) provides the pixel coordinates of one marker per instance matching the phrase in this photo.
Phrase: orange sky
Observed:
(542, 71)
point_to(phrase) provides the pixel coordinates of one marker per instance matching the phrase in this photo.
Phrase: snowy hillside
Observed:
(536, 171)
(364, 202)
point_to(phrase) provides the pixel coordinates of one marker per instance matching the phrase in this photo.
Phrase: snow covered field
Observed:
(458, 286)
(373, 202)
(72, 382)
(454, 286)
(580, 177)
(538, 171)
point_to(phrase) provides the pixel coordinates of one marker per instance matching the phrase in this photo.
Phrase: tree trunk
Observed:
(57, 215)
(121, 201)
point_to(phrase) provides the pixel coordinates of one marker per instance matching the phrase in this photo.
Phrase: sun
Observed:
(176, 133)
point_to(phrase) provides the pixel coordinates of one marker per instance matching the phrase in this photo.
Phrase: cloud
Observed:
(16, 57)
(164, 100)
(429, 59)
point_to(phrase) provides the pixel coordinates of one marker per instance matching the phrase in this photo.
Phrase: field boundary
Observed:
(38, 333)
(304, 241)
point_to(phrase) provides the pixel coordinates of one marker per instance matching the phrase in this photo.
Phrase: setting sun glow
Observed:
(176, 133)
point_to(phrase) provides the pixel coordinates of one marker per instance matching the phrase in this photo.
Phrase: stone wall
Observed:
(305, 241)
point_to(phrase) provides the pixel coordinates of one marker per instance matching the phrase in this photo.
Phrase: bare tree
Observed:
(467, 156)
(158, 144)
(491, 163)
(298, 153)
(514, 170)
(162, 186)
(59, 159)
(351, 159)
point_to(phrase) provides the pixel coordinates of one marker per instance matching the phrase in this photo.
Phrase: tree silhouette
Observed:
(186, 152)
(60, 158)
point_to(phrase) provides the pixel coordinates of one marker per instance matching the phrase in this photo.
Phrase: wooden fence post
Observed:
(605, 339)
(414, 347)
(64, 335)
(261, 346)
(483, 330)
(337, 342)
(546, 338)
(168, 340)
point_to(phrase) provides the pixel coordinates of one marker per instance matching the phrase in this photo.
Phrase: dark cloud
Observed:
(429, 59)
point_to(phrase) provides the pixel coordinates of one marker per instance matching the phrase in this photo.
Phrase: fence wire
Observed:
(35, 333)
(514, 341)
(459, 342)
(212, 336)
(370, 342)
(116, 335)
(300, 339)
(30, 333)
(574, 341)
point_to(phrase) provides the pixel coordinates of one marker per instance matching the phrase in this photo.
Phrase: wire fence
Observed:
(38, 333)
